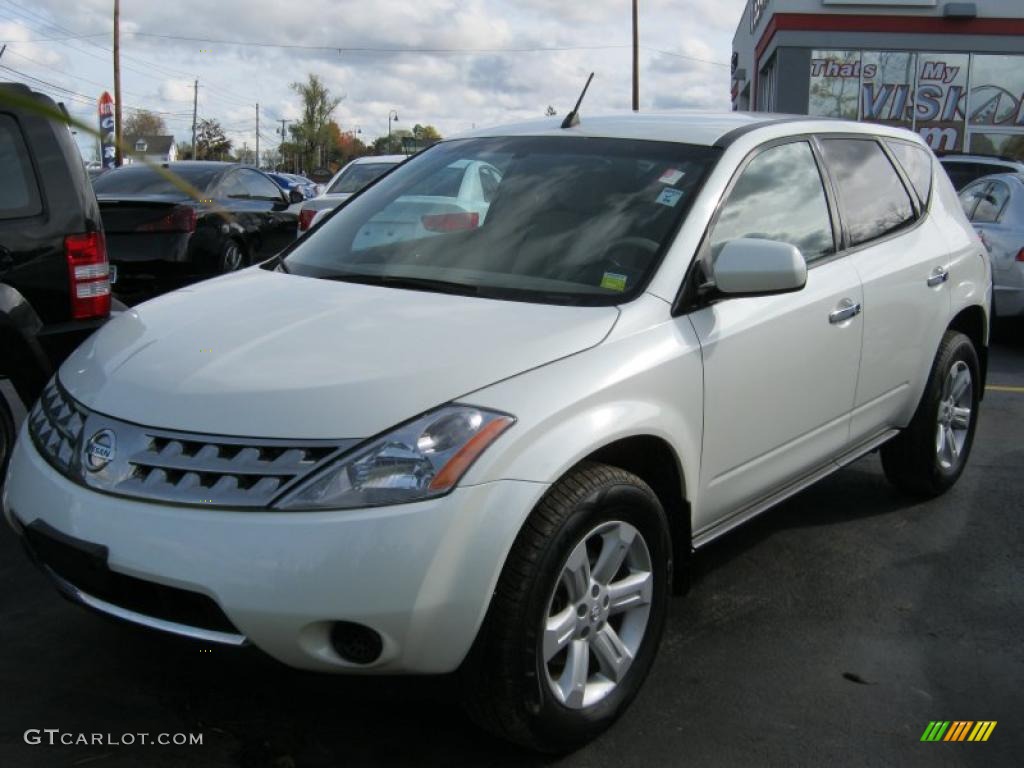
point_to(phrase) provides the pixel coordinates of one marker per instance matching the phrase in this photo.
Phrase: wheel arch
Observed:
(656, 462)
(973, 323)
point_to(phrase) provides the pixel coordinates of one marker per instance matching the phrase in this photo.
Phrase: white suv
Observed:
(491, 444)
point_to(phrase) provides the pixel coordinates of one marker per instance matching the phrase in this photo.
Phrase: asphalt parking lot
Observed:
(828, 632)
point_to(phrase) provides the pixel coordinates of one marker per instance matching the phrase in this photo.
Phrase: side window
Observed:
(970, 196)
(778, 196)
(19, 194)
(991, 203)
(232, 186)
(259, 187)
(917, 164)
(872, 199)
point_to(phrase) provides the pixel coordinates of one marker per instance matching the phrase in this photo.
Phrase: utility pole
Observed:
(195, 105)
(257, 134)
(284, 134)
(117, 83)
(390, 114)
(636, 61)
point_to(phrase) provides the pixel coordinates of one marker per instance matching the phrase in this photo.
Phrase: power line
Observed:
(683, 56)
(370, 49)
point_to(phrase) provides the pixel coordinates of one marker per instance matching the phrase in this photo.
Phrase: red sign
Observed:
(105, 109)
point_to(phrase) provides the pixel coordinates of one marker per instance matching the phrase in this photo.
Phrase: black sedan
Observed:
(155, 230)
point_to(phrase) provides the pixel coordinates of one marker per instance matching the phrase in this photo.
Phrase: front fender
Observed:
(644, 383)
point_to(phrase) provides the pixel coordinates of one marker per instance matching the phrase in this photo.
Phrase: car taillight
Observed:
(1020, 255)
(306, 217)
(88, 275)
(180, 219)
(451, 222)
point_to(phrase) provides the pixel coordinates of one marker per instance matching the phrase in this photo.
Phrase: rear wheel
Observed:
(928, 456)
(232, 256)
(576, 619)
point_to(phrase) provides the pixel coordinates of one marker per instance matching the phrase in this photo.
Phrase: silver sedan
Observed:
(995, 206)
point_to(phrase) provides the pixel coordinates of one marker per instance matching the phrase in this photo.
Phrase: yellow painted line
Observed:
(1004, 388)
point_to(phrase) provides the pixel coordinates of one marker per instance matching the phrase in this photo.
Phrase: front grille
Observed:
(171, 466)
(92, 576)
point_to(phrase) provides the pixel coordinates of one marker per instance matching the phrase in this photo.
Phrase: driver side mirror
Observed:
(752, 267)
(295, 196)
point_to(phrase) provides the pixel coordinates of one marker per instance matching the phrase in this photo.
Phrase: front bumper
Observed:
(421, 575)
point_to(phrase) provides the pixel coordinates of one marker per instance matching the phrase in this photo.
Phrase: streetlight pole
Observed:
(391, 114)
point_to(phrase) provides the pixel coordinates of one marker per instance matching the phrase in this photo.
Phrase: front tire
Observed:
(926, 459)
(232, 256)
(577, 615)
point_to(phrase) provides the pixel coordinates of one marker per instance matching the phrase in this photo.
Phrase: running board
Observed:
(755, 509)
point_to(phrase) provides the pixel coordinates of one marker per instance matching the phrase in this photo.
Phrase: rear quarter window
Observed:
(916, 162)
(19, 192)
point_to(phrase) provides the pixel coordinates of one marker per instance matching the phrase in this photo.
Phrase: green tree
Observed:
(184, 150)
(142, 122)
(426, 132)
(211, 143)
(312, 130)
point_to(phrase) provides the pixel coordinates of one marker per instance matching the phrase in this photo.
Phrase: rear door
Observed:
(779, 371)
(901, 256)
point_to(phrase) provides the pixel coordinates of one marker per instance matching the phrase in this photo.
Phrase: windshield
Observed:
(357, 176)
(553, 219)
(142, 180)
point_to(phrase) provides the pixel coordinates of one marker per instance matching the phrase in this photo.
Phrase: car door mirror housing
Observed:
(295, 196)
(753, 267)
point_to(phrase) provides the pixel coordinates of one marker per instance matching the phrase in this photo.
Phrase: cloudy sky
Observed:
(452, 63)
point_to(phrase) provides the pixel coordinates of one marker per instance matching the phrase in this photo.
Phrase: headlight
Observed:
(418, 460)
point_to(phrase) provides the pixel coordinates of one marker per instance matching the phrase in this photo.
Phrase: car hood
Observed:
(266, 354)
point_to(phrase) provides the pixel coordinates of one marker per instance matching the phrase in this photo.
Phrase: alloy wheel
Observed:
(597, 615)
(954, 416)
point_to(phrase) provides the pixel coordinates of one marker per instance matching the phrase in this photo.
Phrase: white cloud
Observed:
(450, 90)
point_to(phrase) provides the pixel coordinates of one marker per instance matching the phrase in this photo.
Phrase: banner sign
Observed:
(105, 108)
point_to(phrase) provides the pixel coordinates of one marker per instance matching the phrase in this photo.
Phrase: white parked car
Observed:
(346, 182)
(489, 443)
(995, 206)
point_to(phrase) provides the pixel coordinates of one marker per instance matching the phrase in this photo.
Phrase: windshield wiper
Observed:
(406, 281)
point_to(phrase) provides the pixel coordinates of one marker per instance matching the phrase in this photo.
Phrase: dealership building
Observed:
(952, 71)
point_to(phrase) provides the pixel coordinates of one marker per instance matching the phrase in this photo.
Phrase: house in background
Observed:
(157, 149)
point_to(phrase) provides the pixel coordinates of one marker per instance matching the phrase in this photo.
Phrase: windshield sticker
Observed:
(613, 281)
(671, 176)
(669, 197)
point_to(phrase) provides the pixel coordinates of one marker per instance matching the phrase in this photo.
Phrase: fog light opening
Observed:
(356, 643)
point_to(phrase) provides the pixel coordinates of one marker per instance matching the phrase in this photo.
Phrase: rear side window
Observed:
(778, 196)
(872, 199)
(19, 193)
(970, 195)
(962, 174)
(917, 164)
(991, 203)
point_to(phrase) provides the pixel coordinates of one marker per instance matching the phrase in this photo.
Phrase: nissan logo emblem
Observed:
(99, 451)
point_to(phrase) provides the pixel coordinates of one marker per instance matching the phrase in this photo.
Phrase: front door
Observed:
(780, 372)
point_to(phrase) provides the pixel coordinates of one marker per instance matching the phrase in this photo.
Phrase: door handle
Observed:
(846, 309)
(938, 276)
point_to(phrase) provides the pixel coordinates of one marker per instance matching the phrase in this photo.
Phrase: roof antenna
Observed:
(573, 118)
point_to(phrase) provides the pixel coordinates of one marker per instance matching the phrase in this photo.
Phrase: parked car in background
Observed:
(487, 443)
(346, 182)
(995, 206)
(155, 229)
(290, 181)
(963, 169)
(54, 286)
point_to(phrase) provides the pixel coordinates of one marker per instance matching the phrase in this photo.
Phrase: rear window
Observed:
(872, 199)
(142, 180)
(355, 177)
(19, 193)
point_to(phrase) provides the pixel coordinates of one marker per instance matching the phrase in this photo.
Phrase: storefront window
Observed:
(835, 84)
(941, 99)
(886, 86)
(926, 92)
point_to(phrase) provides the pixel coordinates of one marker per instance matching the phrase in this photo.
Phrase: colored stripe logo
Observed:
(959, 730)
